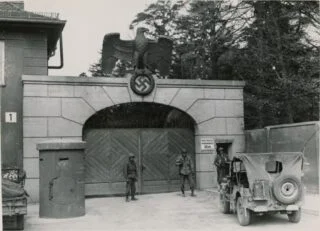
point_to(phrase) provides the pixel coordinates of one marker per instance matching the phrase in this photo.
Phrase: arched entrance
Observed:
(59, 108)
(154, 133)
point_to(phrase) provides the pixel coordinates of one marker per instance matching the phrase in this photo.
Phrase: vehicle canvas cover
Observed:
(255, 164)
(13, 182)
(11, 189)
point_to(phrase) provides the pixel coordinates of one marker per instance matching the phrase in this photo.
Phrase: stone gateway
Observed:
(62, 107)
(140, 114)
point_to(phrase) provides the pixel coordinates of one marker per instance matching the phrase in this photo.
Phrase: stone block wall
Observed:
(58, 107)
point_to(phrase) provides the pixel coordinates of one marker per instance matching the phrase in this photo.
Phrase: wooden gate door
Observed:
(154, 160)
(178, 139)
(155, 149)
(106, 154)
(159, 150)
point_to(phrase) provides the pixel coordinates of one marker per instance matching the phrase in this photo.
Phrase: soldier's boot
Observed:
(192, 193)
(127, 199)
(182, 191)
(133, 197)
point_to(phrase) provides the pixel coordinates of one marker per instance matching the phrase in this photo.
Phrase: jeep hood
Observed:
(255, 164)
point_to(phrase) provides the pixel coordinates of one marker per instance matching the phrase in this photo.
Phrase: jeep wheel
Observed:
(243, 214)
(287, 189)
(224, 204)
(295, 216)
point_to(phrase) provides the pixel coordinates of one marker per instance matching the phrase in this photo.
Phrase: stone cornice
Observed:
(123, 82)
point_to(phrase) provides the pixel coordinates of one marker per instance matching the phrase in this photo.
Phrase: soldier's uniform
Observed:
(186, 170)
(220, 162)
(131, 176)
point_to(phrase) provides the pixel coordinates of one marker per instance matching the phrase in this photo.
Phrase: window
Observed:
(238, 166)
(2, 63)
(273, 167)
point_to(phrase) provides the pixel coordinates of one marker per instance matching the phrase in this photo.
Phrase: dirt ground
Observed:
(166, 211)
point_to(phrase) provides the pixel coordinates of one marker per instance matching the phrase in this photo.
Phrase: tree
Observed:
(280, 63)
(83, 74)
(96, 70)
(265, 43)
(202, 31)
(211, 31)
(160, 17)
(205, 34)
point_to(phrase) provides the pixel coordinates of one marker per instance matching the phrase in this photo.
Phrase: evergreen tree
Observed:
(265, 43)
(280, 63)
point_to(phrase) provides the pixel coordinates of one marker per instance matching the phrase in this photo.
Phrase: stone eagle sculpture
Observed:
(142, 52)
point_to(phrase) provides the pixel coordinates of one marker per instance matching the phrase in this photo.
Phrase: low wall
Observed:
(297, 137)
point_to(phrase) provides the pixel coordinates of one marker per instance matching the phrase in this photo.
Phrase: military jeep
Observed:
(261, 183)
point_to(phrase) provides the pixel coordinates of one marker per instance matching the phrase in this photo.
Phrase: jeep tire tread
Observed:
(287, 189)
(295, 216)
(224, 204)
(243, 214)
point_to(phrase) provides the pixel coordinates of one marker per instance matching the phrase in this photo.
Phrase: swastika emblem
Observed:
(142, 84)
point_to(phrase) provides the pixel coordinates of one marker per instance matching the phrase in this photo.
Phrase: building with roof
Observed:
(27, 41)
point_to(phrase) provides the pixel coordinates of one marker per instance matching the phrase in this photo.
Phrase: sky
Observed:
(87, 23)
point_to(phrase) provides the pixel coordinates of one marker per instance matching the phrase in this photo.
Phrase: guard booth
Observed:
(61, 179)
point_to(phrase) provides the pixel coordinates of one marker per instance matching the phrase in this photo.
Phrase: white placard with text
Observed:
(207, 144)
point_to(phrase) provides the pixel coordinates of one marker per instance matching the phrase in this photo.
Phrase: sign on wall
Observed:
(11, 117)
(207, 144)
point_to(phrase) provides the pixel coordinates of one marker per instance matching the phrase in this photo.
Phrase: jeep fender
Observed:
(233, 198)
(235, 193)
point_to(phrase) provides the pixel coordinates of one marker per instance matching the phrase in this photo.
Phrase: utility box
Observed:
(61, 179)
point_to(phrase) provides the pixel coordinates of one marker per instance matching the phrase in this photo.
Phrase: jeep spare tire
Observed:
(287, 189)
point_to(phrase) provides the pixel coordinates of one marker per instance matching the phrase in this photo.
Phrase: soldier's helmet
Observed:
(183, 150)
(131, 155)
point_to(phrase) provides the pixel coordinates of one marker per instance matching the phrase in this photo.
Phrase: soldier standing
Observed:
(131, 175)
(220, 162)
(186, 170)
